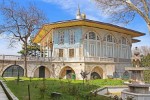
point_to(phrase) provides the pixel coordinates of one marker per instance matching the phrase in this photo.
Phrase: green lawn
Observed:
(71, 90)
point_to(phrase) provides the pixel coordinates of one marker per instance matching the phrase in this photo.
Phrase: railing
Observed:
(62, 59)
(10, 57)
(57, 59)
(124, 60)
(98, 59)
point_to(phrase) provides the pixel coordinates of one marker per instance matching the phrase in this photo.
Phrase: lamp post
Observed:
(51, 52)
(17, 72)
(51, 49)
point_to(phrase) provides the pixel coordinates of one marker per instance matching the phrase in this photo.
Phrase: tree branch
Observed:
(146, 7)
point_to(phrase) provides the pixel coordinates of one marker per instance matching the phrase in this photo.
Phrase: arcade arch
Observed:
(42, 72)
(96, 73)
(13, 71)
(66, 72)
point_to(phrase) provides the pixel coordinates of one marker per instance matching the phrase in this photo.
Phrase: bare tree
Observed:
(145, 50)
(20, 22)
(126, 10)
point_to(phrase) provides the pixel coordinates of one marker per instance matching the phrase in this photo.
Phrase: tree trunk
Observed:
(25, 58)
(148, 25)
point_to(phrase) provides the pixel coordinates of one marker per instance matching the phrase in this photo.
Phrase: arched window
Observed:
(13, 71)
(92, 45)
(123, 40)
(92, 35)
(109, 38)
(124, 48)
(109, 46)
(98, 38)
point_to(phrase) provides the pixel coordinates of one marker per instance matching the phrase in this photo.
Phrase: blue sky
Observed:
(59, 10)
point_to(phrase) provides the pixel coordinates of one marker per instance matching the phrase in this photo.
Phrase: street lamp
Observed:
(17, 72)
(51, 49)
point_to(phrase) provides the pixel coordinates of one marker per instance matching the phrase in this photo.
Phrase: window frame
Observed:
(61, 53)
(71, 53)
(61, 37)
(71, 37)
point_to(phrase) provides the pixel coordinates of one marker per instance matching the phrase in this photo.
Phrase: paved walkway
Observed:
(2, 94)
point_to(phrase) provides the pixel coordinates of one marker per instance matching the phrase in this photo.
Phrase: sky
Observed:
(59, 10)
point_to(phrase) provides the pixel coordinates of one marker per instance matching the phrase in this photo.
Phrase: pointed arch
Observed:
(96, 73)
(42, 72)
(66, 72)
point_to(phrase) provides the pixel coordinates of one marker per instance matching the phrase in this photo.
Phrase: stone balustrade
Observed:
(61, 59)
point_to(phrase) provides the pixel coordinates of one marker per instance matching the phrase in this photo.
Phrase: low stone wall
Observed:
(135, 96)
(103, 91)
(8, 92)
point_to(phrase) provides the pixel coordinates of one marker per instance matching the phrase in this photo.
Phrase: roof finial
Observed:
(78, 12)
(78, 16)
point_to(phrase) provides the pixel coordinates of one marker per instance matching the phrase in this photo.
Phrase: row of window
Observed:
(71, 37)
(90, 35)
(108, 38)
(107, 49)
(71, 53)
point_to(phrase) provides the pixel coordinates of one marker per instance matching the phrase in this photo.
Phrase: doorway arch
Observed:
(42, 72)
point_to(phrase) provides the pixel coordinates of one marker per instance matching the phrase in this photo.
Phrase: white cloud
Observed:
(86, 6)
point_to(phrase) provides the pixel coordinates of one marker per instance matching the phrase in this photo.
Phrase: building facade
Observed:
(97, 48)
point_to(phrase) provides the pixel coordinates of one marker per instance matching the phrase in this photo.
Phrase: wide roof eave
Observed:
(89, 23)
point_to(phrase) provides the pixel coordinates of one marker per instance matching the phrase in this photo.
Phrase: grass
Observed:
(71, 90)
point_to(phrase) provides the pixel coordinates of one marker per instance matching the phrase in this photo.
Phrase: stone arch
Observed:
(13, 71)
(42, 72)
(96, 73)
(66, 72)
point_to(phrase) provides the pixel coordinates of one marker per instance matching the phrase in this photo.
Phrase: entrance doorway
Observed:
(42, 72)
(68, 74)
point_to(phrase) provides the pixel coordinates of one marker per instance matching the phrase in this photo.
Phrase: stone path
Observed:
(2, 94)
